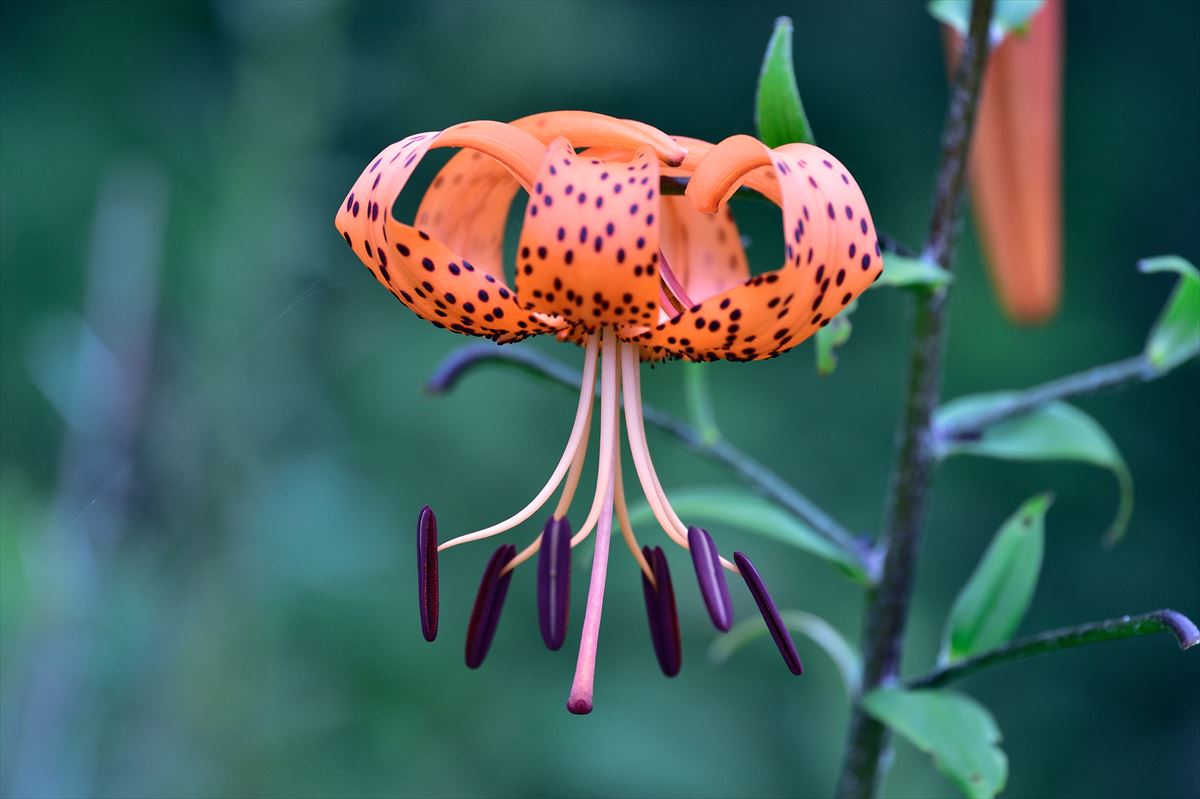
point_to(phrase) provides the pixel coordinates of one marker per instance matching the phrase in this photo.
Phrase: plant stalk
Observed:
(912, 475)
(1110, 375)
(1158, 621)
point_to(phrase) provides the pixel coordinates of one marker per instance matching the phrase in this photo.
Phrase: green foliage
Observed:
(830, 338)
(900, 271)
(992, 603)
(957, 732)
(778, 111)
(1175, 337)
(1009, 16)
(840, 651)
(1054, 432)
(754, 514)
(233, 614)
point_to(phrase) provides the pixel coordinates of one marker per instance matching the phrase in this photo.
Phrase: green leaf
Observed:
(750, 512)
(843, 655)
(1176, 335)
(778, 112)
(898, 272)
(1008, 16)
(903, 272)
(830, 338)
(992, 603)
(954, 729)
(1054, 432)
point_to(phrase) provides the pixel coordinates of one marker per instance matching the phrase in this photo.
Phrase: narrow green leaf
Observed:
(1009, 16)
(830, 338)
(1055, 432)
(750, 512)
(1176, 335)
(824, 634)
(778, 112)
(902, 272)
(993, 602)
(958, 732)
(699, 401)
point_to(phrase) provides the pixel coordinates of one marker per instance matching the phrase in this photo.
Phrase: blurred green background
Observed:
(215, 440)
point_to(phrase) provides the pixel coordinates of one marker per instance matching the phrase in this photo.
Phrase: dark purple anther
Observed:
(660, 610)
(427, 572)
(554, 581)
(488, 604)
(770, 613)
(711, 576)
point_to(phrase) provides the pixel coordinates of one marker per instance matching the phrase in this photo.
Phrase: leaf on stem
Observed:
(830, 338)
(1009, 16)
(1054, 432)
(824, 634)
(903, 272)
(778, 112)
(899, 272)
(754, 514)
(991, 605)
(1176, 335)
(958, 732)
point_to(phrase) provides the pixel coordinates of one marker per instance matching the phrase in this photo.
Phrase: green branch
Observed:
(446, 376)
(1130, 370)
(1158, 621)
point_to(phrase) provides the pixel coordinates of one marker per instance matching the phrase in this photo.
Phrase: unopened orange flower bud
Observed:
(1016, 165)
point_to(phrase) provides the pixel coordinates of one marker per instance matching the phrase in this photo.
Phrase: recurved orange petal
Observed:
(589, 246)
(467, 204)
(588, 129)
(425, 274)
(703, 250)
(832, 255)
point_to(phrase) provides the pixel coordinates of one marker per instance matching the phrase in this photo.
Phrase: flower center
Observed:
(620, 388)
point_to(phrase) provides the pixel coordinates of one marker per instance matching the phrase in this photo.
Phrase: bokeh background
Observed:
(215, 439)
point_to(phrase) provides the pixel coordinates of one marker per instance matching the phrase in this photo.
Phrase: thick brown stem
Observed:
(912, 475)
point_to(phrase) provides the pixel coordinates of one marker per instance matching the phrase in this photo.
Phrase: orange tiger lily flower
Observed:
(1016, 165)
(604, 260)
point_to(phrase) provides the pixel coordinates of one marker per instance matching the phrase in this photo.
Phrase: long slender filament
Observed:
(627, 527)
(637, 446)
(573, 443)
(582, 687)
(564, 500)
(608, 428)
(610, 418)
(667, 518)
(572, 483)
